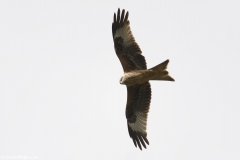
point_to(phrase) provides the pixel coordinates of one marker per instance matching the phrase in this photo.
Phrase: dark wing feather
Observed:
(125, 46)
(138, 103)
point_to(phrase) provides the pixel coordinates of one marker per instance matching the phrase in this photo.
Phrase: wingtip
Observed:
(146, 140)
(134, 142)
(118, 15)
(114, 18)
(126, 17)
(122, 16)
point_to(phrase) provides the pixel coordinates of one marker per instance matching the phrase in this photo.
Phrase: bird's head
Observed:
(122, 80)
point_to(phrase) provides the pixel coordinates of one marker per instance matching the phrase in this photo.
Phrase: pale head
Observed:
(122, 80)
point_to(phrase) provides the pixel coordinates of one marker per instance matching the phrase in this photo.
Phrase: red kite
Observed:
(136, 77)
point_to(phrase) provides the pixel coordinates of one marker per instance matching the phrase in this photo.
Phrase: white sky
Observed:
(60, 96)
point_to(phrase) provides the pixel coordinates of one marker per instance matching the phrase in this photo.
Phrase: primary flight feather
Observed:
(136, 77)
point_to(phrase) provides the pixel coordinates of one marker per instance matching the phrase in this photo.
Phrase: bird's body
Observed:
(136, 77)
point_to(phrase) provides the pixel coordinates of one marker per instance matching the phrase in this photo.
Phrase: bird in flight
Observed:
(136, 78)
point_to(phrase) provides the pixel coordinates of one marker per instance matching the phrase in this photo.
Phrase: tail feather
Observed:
(161, 72)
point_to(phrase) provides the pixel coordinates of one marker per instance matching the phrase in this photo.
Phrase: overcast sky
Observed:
(60, 96)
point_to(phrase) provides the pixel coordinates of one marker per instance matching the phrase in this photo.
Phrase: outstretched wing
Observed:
(138, 102)
(125, 46)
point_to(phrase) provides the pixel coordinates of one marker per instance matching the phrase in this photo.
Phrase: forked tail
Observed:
(161, 73)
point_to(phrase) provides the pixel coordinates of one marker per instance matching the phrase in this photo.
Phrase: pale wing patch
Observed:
(140, 124)
(126, 35)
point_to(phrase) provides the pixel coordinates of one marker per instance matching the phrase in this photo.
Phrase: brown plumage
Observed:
(136, 77)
